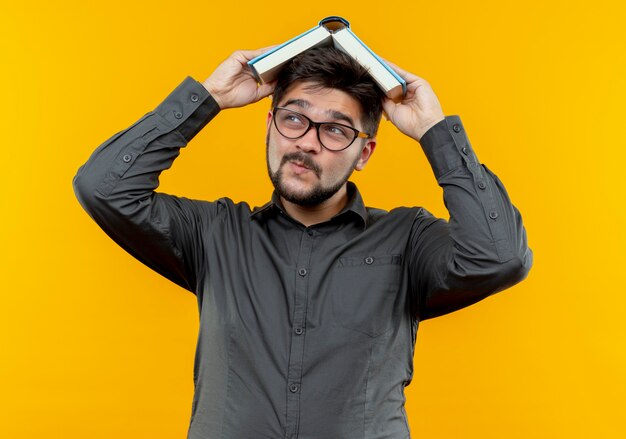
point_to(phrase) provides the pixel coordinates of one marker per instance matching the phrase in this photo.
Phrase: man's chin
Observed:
(309, 197)
(297, 191)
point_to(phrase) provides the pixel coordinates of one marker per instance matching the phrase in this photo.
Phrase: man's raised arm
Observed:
(483, 248)
(116, 186)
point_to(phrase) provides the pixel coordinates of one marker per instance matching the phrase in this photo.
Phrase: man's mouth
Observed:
(299, 168)
(301, 163)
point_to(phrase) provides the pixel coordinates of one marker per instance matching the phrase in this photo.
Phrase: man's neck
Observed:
(310, 215)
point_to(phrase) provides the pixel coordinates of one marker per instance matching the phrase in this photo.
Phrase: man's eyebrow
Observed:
(338, 115)
(299, 102)
(332, 114)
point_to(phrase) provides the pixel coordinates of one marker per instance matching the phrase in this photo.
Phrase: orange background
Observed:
(93, 344)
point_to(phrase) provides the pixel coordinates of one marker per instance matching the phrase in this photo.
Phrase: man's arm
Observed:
(116, 186)
(483, 248)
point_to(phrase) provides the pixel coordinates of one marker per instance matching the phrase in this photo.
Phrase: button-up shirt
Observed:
(305, 332)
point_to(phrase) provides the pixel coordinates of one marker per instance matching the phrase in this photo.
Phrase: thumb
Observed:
(389, 107)
(265, 90)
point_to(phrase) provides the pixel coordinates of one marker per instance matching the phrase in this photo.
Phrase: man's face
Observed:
(302, 170)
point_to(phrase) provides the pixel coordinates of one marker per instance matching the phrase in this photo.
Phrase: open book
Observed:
(333, 31)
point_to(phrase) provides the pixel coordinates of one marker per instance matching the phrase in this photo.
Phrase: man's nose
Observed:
(309, 142)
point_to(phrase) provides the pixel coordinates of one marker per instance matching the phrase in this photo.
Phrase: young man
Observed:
(309, 305)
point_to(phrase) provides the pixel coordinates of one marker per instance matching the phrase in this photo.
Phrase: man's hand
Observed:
(420, 108)
(232, 84)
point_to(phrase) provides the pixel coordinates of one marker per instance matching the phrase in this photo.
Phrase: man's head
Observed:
(323, 85)
(327, 67)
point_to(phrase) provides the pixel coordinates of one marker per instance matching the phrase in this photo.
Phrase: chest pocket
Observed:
(365, 290)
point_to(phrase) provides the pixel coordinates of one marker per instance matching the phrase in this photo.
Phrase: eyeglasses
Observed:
(332, 136)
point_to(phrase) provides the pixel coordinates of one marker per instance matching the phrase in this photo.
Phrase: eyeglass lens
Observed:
(333, 136)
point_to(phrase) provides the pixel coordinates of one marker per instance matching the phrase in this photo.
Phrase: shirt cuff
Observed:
(447, 146)
(188, 108)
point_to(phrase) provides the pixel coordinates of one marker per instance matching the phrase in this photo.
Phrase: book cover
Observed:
(334, 31)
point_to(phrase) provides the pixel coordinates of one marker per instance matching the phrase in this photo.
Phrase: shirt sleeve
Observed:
(483, 248)
(116, 186)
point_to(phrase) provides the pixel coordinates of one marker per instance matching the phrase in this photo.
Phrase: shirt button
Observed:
(127, 158)
(482, 185)
(456, 127)
(178, 115)
(293, 388)
(464, 150)
(299, 331)
(369, 260)
(194, 98)
(493, 214)
(302, 272)
(309, 232)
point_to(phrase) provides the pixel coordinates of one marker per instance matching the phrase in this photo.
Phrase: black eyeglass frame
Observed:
(357, 133)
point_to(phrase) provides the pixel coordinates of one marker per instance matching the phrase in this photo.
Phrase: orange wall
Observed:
(93, 344)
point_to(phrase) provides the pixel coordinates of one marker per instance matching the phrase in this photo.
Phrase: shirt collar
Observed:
(354, 205)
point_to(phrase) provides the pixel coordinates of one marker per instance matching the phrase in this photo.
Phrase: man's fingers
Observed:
(265, 90)
(389, 107)
(249, 54)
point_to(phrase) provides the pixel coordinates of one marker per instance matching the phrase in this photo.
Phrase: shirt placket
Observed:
(296, 353)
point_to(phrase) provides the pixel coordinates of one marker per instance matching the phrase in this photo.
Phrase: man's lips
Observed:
(299, 167)
(300, 163)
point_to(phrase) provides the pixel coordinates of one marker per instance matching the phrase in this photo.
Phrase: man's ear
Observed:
(366, 153)
(269, 119)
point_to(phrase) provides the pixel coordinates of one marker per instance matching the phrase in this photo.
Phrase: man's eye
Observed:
(294, 118)
(336, 130)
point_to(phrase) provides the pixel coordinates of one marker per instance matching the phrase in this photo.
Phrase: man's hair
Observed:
(328, 67)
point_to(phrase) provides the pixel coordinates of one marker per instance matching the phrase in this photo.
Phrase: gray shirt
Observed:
(305, 332)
